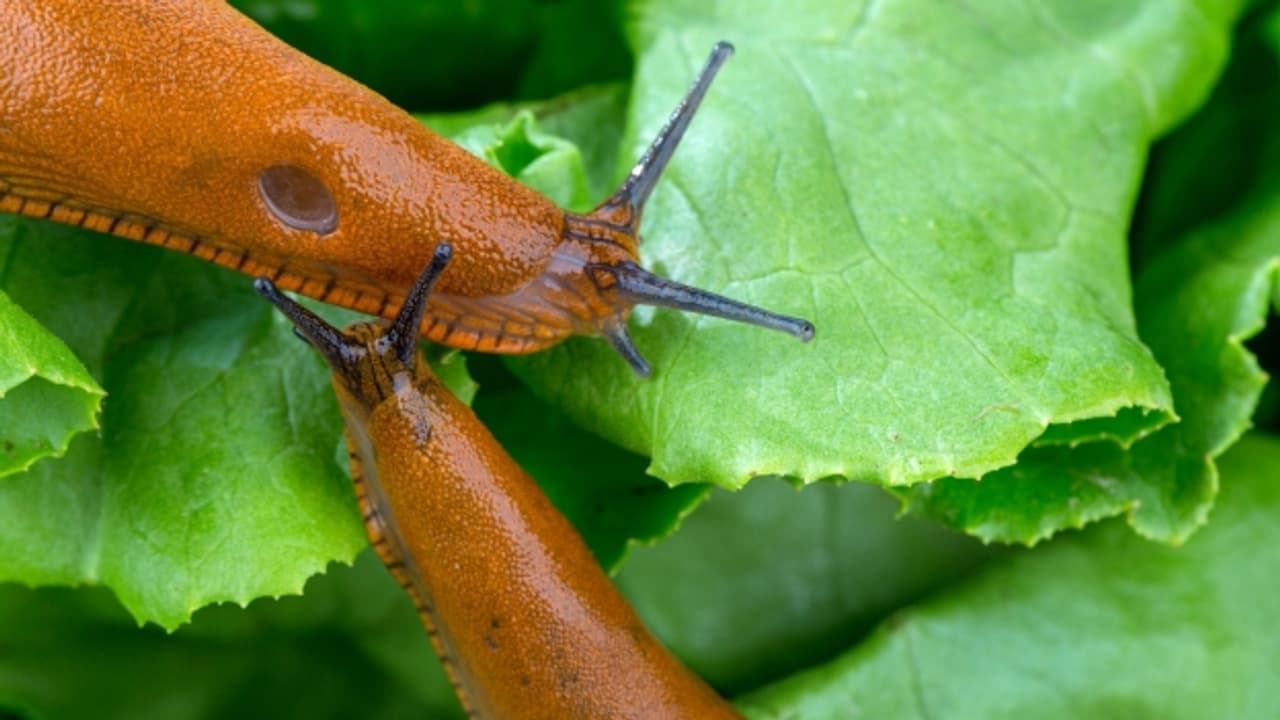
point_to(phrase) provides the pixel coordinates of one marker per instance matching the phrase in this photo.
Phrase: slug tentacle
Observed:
(608, 240)
(641, 287)
(629, 199)
(617, 335)
(404, 330)
(336, 347)
(373, 359)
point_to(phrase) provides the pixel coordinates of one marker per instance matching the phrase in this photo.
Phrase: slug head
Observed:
(370, 361)
(596, 268)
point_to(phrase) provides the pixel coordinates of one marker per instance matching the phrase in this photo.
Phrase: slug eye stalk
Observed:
(339, 349)
(632, 284)
(635, 190)
(343, 349)
(403, 334)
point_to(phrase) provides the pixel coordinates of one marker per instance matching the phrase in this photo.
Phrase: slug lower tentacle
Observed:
(181, 123)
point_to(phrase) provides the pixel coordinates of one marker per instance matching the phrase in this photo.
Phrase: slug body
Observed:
(527, 624)
(183, 124)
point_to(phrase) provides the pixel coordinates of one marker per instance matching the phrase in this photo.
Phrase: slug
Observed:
(183, 124)
(527, 624)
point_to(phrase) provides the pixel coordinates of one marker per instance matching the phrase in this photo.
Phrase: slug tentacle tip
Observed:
(635, 190)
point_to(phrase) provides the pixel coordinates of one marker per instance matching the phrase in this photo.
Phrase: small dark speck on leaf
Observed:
(8, 446)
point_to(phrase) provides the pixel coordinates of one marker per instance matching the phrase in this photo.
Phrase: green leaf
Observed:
(567, 147)
(214, 477)
(1198, 300)
(580, 42)
(768, 580)
(928, 109)
(1097, 624)
(945, 191)
(46, 395)
(532, 156)
(351, 647)
(1199, 173)
(786, 591)
(602, 489)
(990, 309)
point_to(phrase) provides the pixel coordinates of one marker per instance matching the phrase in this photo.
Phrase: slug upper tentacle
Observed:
(610, 237)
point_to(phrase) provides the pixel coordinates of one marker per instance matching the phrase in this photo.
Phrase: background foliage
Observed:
(1031, 316)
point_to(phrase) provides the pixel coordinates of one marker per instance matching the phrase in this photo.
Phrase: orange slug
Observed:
(527, 624)
(183, 124)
